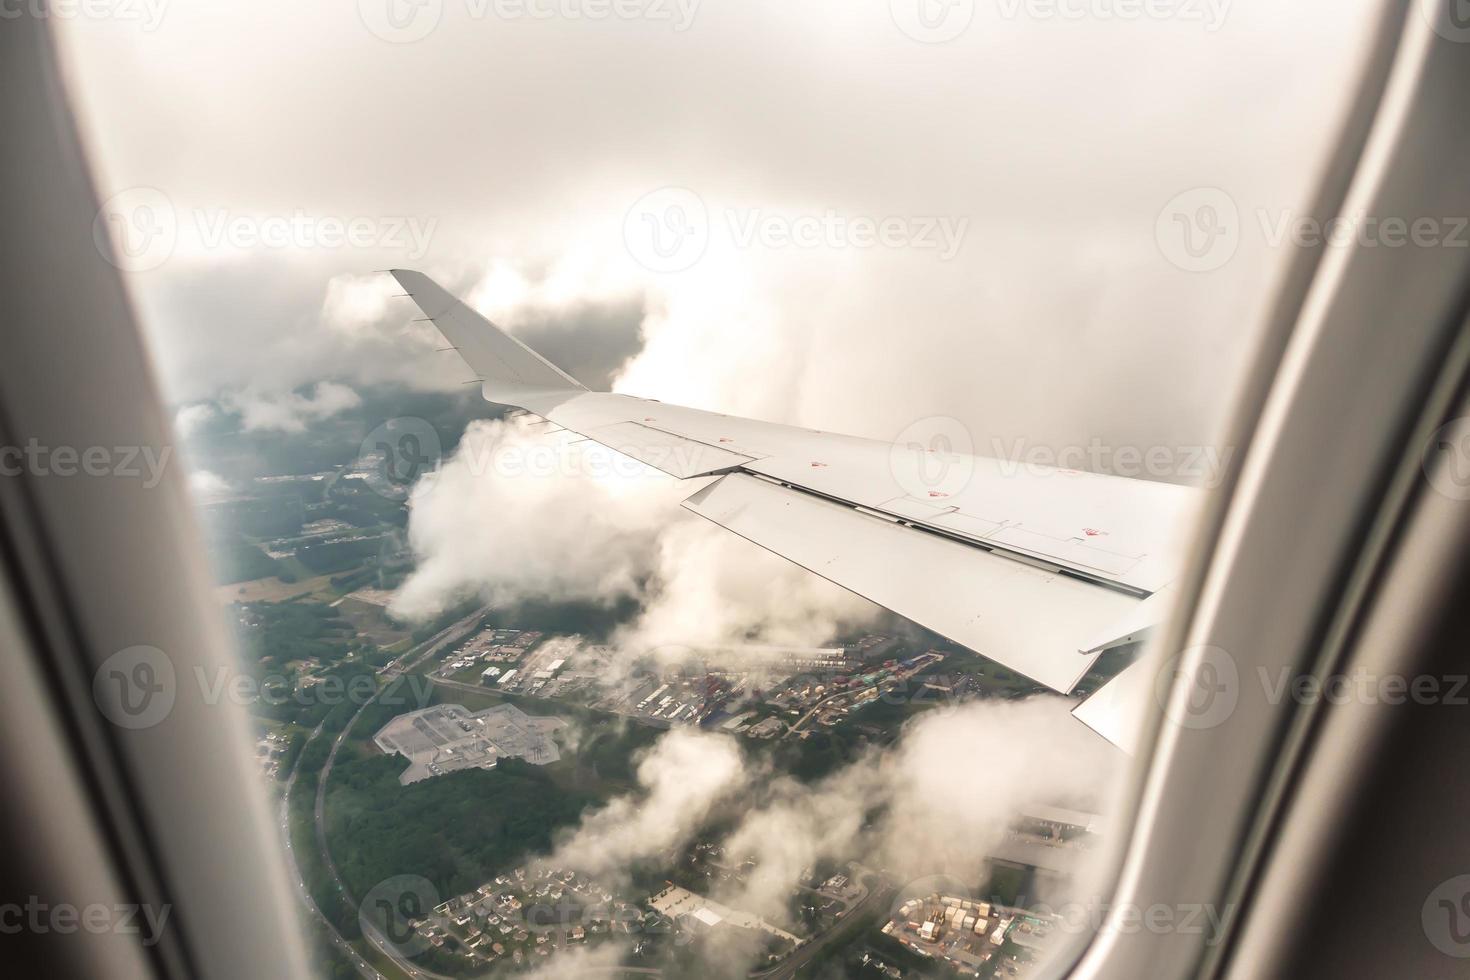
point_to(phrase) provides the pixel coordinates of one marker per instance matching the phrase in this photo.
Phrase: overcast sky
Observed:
(502, 152)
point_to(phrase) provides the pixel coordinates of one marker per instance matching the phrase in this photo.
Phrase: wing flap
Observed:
(1031, 619)
(1119, 710)
(671, 454)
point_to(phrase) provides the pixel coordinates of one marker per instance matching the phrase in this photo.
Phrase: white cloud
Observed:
(682, 778)
(205, 484)
(288, 411)
(191, 418)
(937, 802)
(517, 513)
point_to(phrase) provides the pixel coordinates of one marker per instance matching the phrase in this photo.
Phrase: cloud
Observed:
(716, 590)
(579, 961)
(288, 411)
(517, 513)
(190, 419)
(520, 514)
(937, 802)
(960, 776)
(682, 778)
(204, 484)
(1057, 319)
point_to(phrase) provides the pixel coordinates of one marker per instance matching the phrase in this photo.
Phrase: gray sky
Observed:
(517, 145)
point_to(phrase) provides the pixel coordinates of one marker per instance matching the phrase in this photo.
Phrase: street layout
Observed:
(785, 970)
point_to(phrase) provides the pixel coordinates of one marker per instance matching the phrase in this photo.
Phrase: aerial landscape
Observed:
(507, 788)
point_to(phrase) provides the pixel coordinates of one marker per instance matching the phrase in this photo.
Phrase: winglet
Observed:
(505, 364)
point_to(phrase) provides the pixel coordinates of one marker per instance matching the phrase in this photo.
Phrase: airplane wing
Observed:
(1038, 569)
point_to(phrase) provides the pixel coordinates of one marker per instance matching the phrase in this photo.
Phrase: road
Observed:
(787, 968)
(450, 634)
(929, 661)
(796, 728)
(353, 956)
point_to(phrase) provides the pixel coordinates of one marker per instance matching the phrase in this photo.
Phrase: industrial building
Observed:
(448, 738)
